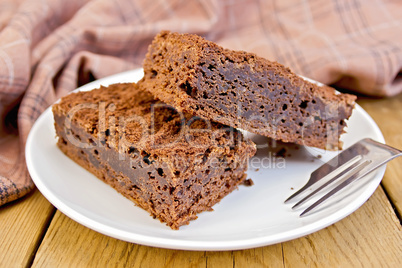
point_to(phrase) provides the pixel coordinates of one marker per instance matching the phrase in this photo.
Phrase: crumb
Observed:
(291, 188)
(248, 182)
(257, 169)
(319, 156)
(281, 152)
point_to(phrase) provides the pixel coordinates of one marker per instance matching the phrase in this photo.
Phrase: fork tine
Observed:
(351, 170)
(350, 165)
(327, 169)
(297, 193)
(357, 175)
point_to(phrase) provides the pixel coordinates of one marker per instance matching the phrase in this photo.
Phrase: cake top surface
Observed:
(184, 47)
(125, 117)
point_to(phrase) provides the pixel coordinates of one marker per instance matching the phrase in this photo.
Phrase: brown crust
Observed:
(173, 171)
(245, 91)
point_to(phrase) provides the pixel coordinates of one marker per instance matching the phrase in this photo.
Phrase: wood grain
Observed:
(387, 113)
(22, 225)
(358, 240)
(370, 237)
(269, 256)
(69, 244)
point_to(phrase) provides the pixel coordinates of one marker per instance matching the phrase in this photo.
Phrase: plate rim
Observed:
(179, 243)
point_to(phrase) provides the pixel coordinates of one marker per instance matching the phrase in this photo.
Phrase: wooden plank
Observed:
(23, 223)
(69, 244)
(269, 256)
(370, 237)
(387, 113)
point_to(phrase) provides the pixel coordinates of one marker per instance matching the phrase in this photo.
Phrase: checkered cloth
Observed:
(49, 47)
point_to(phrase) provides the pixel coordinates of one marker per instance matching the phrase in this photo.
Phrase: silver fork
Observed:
(350, 165)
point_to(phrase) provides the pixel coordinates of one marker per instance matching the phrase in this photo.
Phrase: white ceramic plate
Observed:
(249, 217)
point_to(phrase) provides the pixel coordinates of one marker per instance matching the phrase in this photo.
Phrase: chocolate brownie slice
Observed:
(171, 164)
(244, 91)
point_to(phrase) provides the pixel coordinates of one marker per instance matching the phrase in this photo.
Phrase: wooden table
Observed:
(34, 233)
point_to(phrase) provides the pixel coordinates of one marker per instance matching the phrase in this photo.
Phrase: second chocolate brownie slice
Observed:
(244, 91)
